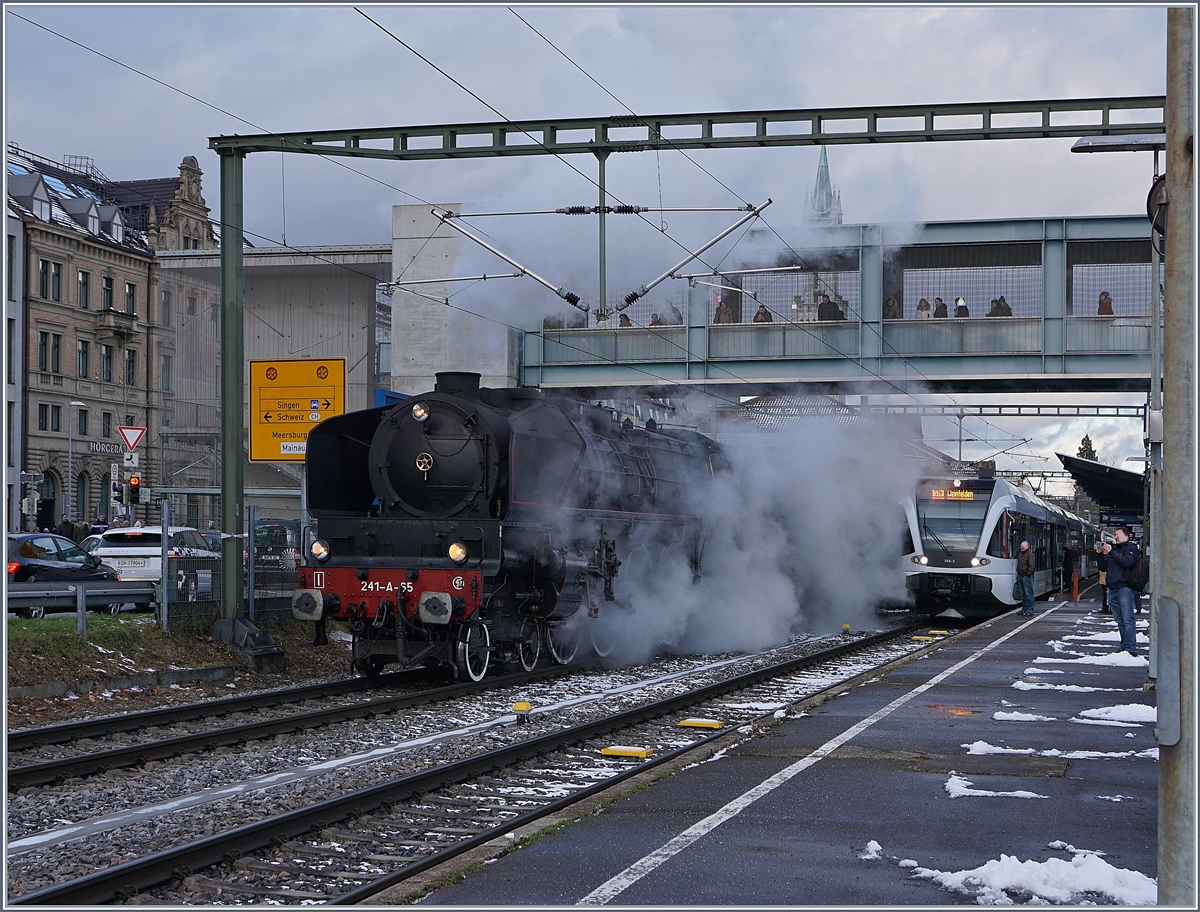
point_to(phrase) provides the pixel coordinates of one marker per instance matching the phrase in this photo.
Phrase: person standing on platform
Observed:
(1026, 565)
(763, 315)
(827, 311)
(939, 309)
(960, 308)
(1118, 561)
(923, 311)
(892, 310)
(1104, 308)
(1068, 568)
(724, 313)
(624, 322)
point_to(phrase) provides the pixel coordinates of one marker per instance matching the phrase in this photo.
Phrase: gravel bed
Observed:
(35, 810)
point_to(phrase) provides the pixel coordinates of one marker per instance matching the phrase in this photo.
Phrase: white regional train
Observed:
(963, 538)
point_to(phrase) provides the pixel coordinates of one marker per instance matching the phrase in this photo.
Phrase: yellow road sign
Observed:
(288, 396)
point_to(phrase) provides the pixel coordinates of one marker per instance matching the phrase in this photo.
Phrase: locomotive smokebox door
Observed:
(434, 608)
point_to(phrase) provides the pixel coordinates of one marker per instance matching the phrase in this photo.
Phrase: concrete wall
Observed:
(428, 337)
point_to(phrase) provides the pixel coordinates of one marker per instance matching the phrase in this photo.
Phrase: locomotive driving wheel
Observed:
(601, 636)
(529, 644)
(472, 651)
(563, 642)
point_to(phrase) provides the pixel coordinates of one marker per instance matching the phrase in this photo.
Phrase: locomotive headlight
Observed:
(319, 550)
(922, 559)
(975, 562)
(458, 552)
(421, 411)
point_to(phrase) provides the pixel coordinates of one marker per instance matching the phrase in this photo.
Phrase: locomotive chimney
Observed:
(457, 383)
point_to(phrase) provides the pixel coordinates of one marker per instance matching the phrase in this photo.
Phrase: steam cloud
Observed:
(803, 535)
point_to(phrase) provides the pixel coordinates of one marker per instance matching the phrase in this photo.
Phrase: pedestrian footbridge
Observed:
(1050, 271)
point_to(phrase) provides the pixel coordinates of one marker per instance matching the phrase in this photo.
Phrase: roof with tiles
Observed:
(64, 185)
(136, 197)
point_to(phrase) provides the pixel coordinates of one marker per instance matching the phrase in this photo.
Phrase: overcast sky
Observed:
(306, 68)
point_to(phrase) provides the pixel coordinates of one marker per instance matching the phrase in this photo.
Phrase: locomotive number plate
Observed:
(376, 586)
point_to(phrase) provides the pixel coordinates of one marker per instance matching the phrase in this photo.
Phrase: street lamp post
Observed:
(70, 453)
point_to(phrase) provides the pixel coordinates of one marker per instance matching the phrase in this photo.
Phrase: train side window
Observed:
(998, 543)
(906, 541)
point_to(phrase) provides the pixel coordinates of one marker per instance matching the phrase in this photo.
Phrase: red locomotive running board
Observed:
(362, 597)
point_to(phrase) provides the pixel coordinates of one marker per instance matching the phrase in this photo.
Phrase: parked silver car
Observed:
(136, 553)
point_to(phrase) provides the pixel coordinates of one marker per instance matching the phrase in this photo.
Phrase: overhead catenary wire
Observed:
(685, 154)
(375, 179)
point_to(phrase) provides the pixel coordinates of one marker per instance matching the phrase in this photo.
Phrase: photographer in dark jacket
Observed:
(1118, 561)
(1026, 567)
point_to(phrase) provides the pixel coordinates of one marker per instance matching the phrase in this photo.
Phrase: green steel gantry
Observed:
(601, 136)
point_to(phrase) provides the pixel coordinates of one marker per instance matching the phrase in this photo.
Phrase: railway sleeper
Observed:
(224, 888)
(341, 873)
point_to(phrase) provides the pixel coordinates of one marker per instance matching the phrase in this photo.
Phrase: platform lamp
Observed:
(70, 510)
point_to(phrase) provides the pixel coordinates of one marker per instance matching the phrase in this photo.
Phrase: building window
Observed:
(164, 379)
(130, 298)
(166, 308)
(12, 253)
(43, 351)
(55, 353)
(106, 424)
(85, 289)
(214, 309)
(81, 428)
(130, 367)
(43, 416)
(10, 350)
(44, 278)
(56, 418)
(84, 358)
(106, 365)
(191, 306)
(56, 281)
(106, 293)
(9, 448)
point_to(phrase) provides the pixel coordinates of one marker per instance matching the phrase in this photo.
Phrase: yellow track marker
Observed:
(620, 751)
(522, 706)
(939, 633)
(921, 639)
(702, 723)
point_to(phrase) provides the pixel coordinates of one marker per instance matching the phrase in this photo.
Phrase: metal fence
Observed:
(957, 336)
(1021, 287)
(193, 599)
(784, 340)
(1128, 284)
(1107, 334)
(585, 346)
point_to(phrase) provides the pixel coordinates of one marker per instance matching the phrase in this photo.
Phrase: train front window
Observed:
(950, 525)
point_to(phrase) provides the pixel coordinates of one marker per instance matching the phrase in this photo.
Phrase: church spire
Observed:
(825, 206)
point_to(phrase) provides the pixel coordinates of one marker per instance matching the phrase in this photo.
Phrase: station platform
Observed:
(1016, 763)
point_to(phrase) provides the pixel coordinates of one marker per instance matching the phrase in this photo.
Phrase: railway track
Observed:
(349, 847)
(60, 768)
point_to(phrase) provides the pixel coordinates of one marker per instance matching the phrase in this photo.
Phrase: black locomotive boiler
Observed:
(465, 523)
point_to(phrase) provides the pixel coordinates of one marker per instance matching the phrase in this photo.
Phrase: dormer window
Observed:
(30, 191)
(84, 211)
(112, 222)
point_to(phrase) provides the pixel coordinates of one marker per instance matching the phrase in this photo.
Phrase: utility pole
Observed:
(233, 364)
(1176, 685)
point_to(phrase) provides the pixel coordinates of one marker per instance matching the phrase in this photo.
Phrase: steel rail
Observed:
(125, 880)
(88, 728)
(134, 754)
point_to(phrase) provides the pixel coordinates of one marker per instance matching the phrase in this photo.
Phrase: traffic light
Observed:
(118, 492)
(135, 489)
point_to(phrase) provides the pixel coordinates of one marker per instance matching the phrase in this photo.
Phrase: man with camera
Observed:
(1118, 561)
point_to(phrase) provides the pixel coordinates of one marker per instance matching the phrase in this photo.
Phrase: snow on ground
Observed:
(1086, 878)
(960, 787)
(1108, 636)
(1115, 659)
(1068, 688)
(982, 747)
(1117, 798)
(1021, 717)
(1067, 847)
(871, 851)
(1043, 671)
(1106, 722)
(1127, 712)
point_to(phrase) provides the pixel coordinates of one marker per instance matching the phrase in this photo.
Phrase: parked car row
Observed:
(136, 554)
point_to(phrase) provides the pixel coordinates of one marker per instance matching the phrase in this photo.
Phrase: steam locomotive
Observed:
(467, 523)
